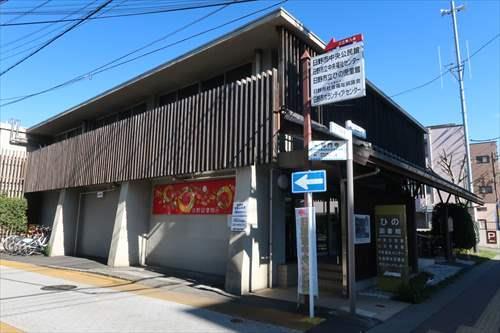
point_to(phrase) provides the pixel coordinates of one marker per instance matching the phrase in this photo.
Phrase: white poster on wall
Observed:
(363, 229)
(239, 219)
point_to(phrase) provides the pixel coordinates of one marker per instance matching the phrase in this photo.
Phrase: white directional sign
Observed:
(338, 75)
(320, 150)
(309, 181)
(357, 130)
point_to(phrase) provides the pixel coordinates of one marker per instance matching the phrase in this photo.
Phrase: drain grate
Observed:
(59, 287)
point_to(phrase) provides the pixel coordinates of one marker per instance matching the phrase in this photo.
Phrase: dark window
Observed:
(239, 73)
(168, 98)
(482, 224)
(482, 209)
(188, 91)
(482, 159)
(485, 189)
(212, 83)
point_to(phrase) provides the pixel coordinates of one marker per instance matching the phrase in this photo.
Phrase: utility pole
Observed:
(494, 169)
(305, 60)
(460, 68)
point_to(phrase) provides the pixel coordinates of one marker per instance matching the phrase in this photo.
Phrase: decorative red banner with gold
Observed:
(203, 197)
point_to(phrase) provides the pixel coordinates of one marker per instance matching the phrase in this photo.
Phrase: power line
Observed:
(105, 67)
(28, 12)
(126, 15)
(40, 30)
(444, 72)
(56, 37)
(10, 50)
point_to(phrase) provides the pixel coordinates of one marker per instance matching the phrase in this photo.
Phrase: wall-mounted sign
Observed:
(362, 229)
(320, 150)
(392, 246)
(239, 219)
(491, 237)
(100, 195)
(302, 216)
(203, 197)
(339, 74)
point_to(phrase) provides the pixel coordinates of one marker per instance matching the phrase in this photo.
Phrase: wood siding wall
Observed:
(12, 169)
(386, 126)
(226, 127)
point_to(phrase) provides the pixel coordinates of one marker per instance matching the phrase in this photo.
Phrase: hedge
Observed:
(13, 213)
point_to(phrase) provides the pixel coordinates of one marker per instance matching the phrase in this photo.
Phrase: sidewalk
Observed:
(196, 292)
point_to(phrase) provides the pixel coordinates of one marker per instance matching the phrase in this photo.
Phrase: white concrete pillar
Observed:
(118, 252)
(246, 268)
(131, 222)
(56, 242)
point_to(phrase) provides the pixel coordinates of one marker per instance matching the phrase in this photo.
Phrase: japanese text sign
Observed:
(392, 245)
(338, 75)
(204, 197)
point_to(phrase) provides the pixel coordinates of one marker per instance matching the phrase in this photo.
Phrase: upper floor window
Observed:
(482, 159)
(482, 209)
(482, 224)
(485, 189)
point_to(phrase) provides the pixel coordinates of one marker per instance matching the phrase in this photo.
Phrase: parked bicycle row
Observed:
(34, 241)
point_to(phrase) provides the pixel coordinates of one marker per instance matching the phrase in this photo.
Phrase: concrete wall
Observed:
(48, 208)
(189, 242)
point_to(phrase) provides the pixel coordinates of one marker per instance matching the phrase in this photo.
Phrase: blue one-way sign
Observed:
(309, 181)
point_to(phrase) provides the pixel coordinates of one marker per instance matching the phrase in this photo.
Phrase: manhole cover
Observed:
(59, 287)
(236, 320)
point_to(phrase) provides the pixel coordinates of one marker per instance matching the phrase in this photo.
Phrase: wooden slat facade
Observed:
(12, 170)
(226, 127)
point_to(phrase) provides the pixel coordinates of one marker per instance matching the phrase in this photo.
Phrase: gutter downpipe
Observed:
(343, 219)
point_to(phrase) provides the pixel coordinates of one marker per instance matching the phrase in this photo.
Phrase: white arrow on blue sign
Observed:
(309, 181)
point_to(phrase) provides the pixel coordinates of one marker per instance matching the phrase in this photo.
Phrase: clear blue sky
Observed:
(401, 52)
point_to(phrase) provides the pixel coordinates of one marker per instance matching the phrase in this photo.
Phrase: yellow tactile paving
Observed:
(268, 315)
(6, 328)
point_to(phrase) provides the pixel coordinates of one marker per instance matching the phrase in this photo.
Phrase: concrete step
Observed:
(329, 285)
(329, 267)
(329, 275)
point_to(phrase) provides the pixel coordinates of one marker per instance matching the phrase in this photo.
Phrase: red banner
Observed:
(204, 197)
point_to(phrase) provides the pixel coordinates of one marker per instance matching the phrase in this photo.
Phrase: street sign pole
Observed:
(308, 200)
(350, 221)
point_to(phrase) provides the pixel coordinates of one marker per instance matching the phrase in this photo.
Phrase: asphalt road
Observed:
(475, 310)
(471, 304)
(26, 306)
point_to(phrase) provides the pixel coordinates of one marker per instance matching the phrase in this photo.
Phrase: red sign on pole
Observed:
(346, 41)
(204, 197)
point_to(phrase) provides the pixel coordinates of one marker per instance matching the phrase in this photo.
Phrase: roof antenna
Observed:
(469, 65)
(440, 65)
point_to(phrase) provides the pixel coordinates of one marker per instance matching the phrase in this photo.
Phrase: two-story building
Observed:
(147, 172)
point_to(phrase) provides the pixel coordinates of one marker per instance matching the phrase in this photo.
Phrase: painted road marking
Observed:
(6, 328)
(267, 315)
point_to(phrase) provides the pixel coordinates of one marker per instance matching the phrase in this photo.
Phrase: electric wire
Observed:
(158, 11)
(104, 68)
(445, 72)
(28, 12)
(55, 38)
(45, 27)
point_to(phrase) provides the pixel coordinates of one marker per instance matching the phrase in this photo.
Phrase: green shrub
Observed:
(463, 235)
(13, 213)
(415, 290)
